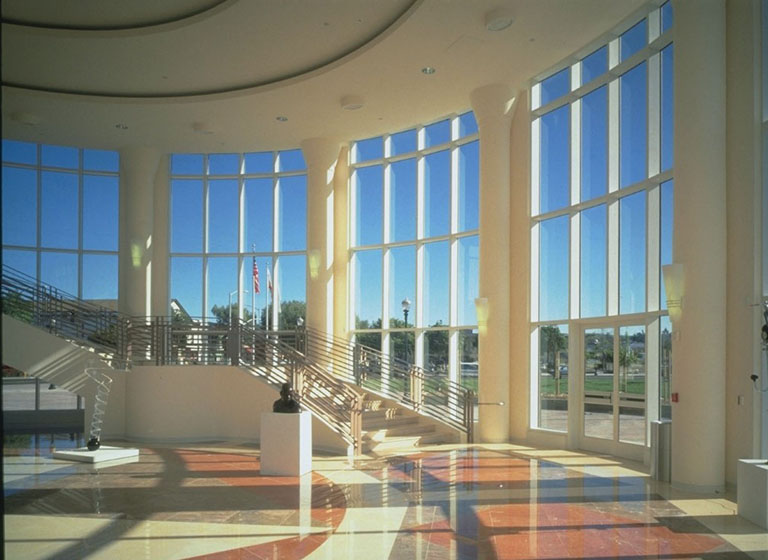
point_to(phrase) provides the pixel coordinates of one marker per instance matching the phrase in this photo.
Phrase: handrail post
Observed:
(356, 364)
(233, 344)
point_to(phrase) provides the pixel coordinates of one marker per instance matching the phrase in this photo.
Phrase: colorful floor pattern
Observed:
(453, 502)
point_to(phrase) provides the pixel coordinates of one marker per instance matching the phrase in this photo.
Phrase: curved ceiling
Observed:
(207, 75)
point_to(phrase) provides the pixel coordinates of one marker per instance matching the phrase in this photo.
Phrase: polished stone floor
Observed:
(483, 501)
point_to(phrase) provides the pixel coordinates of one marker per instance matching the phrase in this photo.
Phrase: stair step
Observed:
(415, 429)
(384, 423)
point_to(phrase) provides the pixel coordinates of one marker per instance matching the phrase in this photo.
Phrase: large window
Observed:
(60, 217)
(414, 219)
(235, 217)
(602, 196)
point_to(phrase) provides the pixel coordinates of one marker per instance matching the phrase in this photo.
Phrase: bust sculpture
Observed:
(286, 402)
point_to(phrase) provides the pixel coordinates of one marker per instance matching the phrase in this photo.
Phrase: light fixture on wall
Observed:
(481, 310)
(674, 284)
(314, 263)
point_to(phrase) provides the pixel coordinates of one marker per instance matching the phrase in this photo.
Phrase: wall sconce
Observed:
(481, 309)
(314, 263)
(674, 284)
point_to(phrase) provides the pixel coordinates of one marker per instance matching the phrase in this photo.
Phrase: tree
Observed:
(552, 341)
(290, 312)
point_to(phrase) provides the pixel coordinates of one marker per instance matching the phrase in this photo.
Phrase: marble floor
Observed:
(482, 501)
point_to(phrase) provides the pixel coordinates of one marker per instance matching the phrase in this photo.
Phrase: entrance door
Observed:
(613, 390)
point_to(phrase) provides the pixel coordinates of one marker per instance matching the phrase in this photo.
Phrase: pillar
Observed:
(138, 168)
(698, 375)
(340, 244)
(492, 105)
(320, 155)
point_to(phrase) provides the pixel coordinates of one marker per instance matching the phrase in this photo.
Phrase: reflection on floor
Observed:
(483, 501)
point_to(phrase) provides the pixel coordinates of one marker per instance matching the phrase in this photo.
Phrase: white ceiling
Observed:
(213, 75)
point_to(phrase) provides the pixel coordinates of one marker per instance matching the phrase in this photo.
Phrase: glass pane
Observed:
(594, 144)
(223, 164)
(467, 124)
(667, 17)
(402, 284)
(436, 280)
(291, 160)
(598, 383)
(468, 370)
(402, 204)
(667, 108)
(186, 164)
(23, 261)
(665, 369)
(469, 175)
(60, 156)
(633, 40)
(222, 215)
(368, 193)
(401, 346)
(19, 207)
(59, 270)
(594, 65)
(53, 397)
(187, 285)
(555, 162)
(469, 256)
(293, 213)
(436, 352)
(100, 279)
(186, 216)
(59, 210)
(100, 212)
(553, 377)
(371, 148)
(292, 290)
(367, 303)
(593, 261)
(553, 271)
(556, 86)
(437, 133)
(632, 247)
(437, 194)
(259, 162)
(371, 340)
(258, 215)
(403, 142)
(222, 288)
(101, 160)
(666, 235)
(632, 123)
(19, 152)
(632, 384)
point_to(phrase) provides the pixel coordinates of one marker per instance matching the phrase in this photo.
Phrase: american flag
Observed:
(256, 287)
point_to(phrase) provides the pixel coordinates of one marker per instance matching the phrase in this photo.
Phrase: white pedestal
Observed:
(752, 490)
(286, 443)
(103, 453)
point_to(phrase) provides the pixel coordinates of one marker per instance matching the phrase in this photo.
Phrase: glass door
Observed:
(613, 389)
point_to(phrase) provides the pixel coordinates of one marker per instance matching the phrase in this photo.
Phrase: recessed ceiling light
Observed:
(352, 102)
(281, 118)
(428, 70)
(498, 19)
(121, 126)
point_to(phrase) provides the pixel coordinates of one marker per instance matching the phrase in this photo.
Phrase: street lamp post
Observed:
(406, 303)
(233, 292)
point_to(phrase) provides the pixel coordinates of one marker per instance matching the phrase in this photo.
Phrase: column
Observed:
(340, 244)
(161, 244)
(492, 105)
(320, 155)
(138, 167)
(698, 375)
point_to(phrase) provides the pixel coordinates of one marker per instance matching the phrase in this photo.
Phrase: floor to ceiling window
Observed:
(239, 236)
(60, 217)
(414, 220)
(601, 206)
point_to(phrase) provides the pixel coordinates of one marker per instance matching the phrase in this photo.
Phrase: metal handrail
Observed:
(424, 391)
(60, 313)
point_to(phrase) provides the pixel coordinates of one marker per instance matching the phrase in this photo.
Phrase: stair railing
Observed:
(62, 314)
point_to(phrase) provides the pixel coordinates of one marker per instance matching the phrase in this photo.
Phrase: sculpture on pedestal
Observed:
(103, 383)
(286, 402)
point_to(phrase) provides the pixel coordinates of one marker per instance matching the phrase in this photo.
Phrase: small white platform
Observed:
(103, 453)
(752, 490)
(286, 443)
